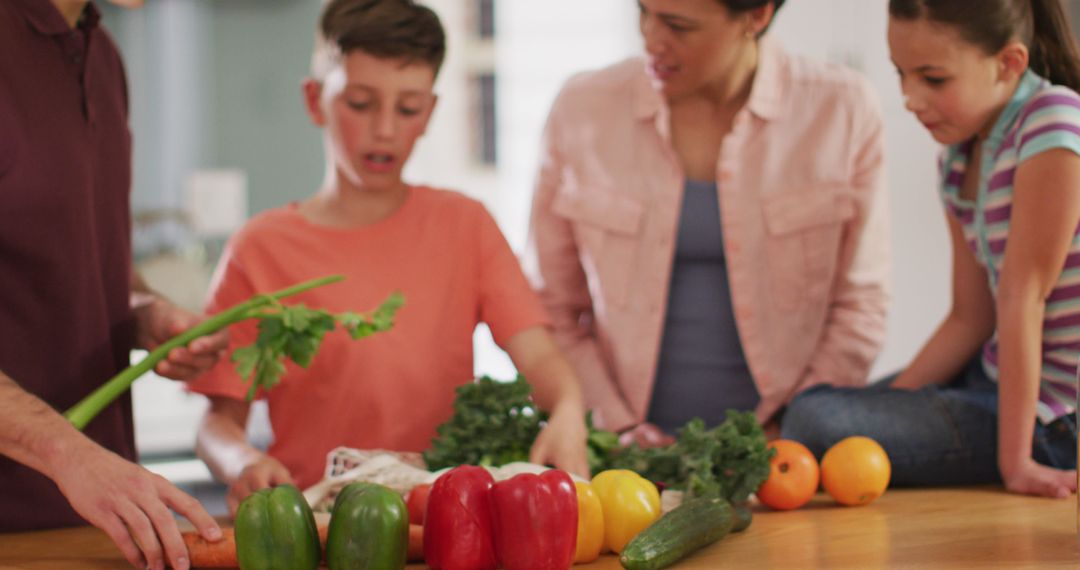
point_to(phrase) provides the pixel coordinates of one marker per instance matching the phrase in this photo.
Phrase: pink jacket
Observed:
(801, 182)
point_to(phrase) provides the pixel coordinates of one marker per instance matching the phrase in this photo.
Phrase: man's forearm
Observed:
(31, 432)
(141, 293)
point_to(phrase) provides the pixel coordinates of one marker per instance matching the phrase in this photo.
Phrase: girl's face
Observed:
(951, 86)
(373, 111)
(692, 44)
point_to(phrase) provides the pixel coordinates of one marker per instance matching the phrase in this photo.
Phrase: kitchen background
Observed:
(221, 134)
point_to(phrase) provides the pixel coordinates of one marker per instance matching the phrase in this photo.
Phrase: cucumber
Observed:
(743, 518)
(690, 526)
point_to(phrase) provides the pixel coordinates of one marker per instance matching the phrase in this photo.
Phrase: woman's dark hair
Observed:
(1041, 25)
(737, 6)
(744, 5)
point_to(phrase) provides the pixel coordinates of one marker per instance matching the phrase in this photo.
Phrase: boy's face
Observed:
(951, 86)
(373, 110)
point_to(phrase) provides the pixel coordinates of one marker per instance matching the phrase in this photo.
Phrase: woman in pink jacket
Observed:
(709, 228)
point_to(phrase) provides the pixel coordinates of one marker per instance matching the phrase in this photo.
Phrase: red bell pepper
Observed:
(457, 526)
(536, 518)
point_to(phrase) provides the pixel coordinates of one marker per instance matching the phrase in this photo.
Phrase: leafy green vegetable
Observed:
(729, 461)
(293, 332)
(494, 423)
(600, 446)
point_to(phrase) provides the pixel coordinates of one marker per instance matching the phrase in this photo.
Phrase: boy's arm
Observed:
(123, 499)
(221, 442)
(555, 389)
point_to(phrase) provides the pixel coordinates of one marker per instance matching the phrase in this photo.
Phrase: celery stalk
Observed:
(89, 407)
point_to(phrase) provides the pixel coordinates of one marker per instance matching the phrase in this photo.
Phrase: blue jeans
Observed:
(938, 435)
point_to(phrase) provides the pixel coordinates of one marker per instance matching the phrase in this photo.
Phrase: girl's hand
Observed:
(1031, 478)
(562, 442)
(263, 473)
(645, 435)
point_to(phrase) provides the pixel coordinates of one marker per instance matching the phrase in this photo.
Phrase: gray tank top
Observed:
(702, 371)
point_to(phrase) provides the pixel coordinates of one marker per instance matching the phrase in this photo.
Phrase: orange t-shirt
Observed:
(444, 252)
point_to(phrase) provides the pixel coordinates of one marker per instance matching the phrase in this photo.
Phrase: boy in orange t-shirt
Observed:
(371, 92)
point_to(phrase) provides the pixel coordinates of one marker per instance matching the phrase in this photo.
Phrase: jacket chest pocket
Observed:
(805, 237)
(607, 229)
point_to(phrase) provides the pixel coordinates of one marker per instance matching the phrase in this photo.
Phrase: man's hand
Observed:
(645, 435)
(263, 473)
(562, 442)
(158, 320)
(132, 506)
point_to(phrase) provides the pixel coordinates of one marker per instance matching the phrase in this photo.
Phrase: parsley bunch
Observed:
(293, 332)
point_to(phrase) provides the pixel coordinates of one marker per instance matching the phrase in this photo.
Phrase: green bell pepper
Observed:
(369, 528)
(275, 530)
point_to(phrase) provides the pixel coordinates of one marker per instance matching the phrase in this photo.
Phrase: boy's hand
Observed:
(132, 506)
(562, 442)
(263, 473)
(1031, 478)
(158, 320)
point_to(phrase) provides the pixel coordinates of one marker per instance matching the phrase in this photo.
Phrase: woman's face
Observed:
(692, 44)
(951, 86)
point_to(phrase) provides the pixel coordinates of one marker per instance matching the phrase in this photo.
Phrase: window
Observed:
(485, 19)
(484, 137)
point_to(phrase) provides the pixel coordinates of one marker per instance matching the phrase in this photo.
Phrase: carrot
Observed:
(416, 543)
(206, 554)
(222, 554)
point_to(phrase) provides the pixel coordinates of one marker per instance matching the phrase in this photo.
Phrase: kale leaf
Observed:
(729, 461)
(494, 423)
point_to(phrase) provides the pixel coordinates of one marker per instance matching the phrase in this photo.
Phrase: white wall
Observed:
(540, 45)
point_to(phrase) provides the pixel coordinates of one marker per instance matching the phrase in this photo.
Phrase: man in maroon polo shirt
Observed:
(71, 307)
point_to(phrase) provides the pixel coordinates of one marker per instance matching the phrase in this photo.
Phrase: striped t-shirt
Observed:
(1039, 117)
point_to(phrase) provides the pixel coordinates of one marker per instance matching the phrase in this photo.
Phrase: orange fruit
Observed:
(793, 476)
(855, 471)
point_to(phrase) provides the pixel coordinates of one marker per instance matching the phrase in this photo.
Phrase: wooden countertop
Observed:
(939, 528)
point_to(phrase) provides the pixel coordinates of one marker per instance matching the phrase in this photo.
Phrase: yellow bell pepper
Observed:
(590, 526)
(630, 504)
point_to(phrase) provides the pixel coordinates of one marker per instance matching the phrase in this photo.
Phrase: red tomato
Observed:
(793, 476)
(416, 501)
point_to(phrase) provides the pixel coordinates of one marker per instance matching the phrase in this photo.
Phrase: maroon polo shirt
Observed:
(65, 246)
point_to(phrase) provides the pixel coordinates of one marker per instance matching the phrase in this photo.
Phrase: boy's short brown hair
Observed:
(392, 29)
